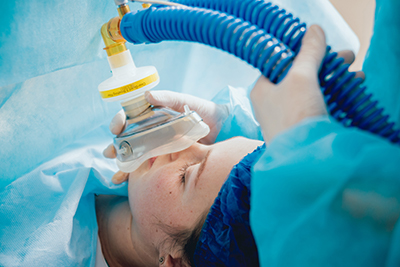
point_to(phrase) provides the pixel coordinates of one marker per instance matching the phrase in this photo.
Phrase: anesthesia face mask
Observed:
(150, 131)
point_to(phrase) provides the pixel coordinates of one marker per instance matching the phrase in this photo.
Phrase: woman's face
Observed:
(176, 189)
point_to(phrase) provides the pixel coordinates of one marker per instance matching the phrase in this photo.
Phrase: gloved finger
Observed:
(169, 99)
(117, 124)
(120, 177)
(173, 100)
(348, 56)
(110, 152)
(312, 51)
(360, 74)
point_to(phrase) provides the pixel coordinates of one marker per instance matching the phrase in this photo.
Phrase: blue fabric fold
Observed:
(47, 216)
(240, 121)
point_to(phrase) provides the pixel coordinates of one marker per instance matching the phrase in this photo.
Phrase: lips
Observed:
(151, 161)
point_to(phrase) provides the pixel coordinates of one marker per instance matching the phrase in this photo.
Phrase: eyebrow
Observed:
(202, 167)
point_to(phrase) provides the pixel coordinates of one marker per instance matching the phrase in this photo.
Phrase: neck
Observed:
(114, 222)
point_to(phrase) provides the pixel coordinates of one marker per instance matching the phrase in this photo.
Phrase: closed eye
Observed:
(182, 174)
(184, 171)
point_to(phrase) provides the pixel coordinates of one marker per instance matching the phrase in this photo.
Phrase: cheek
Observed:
(153, 197)
(214, 178)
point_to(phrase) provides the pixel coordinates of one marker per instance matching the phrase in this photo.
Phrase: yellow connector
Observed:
(111, 33)
(146, 5)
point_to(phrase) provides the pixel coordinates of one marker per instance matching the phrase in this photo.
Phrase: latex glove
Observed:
(280, 106)
(212, 114)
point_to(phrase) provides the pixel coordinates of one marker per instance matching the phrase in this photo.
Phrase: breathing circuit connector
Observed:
(128, 83)
(111, 33)
(112, 37)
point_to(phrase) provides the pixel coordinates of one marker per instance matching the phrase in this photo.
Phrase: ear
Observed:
(171, 261)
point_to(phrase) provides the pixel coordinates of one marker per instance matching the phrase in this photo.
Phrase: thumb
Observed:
(312, 52)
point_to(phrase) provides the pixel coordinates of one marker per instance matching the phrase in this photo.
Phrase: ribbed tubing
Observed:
(276, 21)
(345, 96)
(213, 28)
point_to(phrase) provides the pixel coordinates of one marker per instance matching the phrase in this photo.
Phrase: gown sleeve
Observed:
(322, 194)
(382, 62)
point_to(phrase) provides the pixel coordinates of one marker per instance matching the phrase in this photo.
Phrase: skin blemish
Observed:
(170, 192)
(156, 230)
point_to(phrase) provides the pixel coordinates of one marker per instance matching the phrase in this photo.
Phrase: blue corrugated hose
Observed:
(265, 15)
(248, 31)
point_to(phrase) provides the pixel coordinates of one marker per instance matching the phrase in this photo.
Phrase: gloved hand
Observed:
(213, 115)
(280, 106)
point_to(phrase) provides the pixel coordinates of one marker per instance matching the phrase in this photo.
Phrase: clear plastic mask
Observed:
(164, 131)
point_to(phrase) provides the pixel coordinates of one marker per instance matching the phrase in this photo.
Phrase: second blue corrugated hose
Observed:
(248, 31)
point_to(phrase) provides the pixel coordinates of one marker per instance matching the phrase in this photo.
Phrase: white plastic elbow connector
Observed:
(120, 2)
